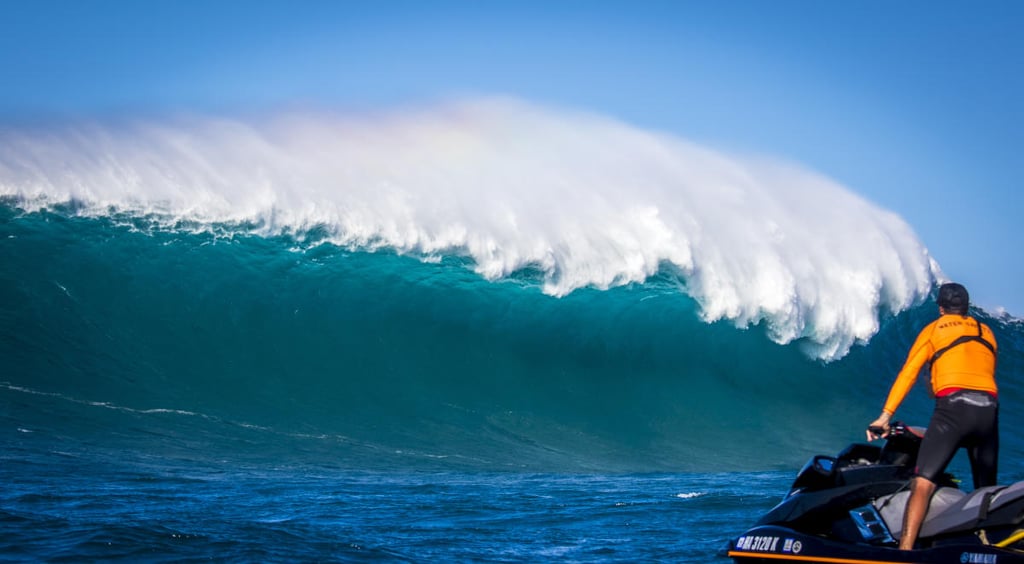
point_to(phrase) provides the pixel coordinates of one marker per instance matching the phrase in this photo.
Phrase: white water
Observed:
(588, 200)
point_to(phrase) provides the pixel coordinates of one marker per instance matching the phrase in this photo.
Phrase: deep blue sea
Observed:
(485, 333)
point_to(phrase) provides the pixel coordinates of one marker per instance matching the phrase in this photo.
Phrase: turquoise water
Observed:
(175, 392)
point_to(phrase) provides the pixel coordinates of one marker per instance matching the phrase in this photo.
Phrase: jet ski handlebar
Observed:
(897, 429)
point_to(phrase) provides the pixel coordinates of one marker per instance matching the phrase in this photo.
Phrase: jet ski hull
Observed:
(770, 544)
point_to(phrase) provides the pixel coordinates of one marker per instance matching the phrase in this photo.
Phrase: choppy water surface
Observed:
(74, 507)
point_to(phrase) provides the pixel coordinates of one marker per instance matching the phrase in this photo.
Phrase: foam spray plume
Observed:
(584, 200)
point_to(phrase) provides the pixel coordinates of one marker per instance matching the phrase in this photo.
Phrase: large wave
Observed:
(123, 335)
(574, 199)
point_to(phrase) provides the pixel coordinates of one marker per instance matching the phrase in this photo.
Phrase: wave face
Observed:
(488, 286)
(117, 334)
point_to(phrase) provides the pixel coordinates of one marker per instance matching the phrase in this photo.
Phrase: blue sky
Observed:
(918, 106)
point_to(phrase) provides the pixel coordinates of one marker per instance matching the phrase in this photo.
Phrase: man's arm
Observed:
(920, 352)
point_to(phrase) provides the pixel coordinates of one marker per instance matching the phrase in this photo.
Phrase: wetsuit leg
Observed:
(940, 442)
(983, 449)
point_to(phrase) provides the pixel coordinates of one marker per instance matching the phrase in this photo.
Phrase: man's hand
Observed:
(881, 423)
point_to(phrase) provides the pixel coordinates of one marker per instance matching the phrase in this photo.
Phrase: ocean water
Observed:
(66, 507)
(421, 337)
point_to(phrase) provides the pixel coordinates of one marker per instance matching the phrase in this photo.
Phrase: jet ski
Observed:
(849, 508)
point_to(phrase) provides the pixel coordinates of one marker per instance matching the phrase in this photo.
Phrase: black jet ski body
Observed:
(849, 508)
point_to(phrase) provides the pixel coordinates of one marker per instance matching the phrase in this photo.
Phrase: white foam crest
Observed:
(587, 200)
(689, 495)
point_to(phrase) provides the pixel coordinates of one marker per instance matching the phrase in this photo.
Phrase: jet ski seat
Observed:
(891, 508)
(951, 510)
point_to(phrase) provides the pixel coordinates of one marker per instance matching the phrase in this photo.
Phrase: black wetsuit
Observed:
(969, 419)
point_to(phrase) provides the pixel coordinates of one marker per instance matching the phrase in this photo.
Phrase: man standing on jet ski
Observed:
(962, 353)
